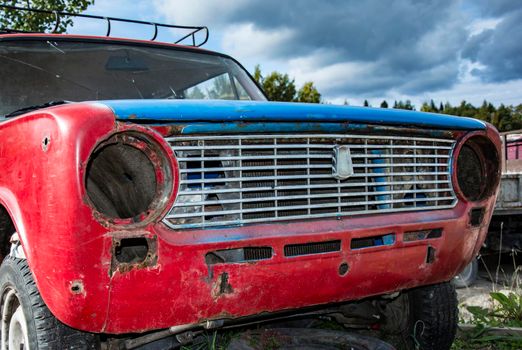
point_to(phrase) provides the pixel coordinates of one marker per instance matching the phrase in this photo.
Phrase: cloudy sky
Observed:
(448, 50)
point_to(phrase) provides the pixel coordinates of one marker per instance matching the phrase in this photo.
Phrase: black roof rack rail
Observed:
(192, 30)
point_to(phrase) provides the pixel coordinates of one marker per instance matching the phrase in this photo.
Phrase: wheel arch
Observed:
(11, 221)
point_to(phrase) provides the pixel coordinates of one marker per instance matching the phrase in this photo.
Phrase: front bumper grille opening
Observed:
(374, 241)
(241, 179)
(238, 255)
(312, 248)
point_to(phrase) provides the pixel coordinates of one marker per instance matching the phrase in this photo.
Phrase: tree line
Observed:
(279, 87)
(503, 117)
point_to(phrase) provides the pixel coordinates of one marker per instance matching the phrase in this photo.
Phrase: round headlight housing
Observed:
(477, 168)
(128, 179)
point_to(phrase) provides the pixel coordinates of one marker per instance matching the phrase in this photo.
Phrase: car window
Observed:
(34, 72)
(216, 88)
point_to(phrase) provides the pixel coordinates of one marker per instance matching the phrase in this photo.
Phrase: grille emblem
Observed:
(342, 167)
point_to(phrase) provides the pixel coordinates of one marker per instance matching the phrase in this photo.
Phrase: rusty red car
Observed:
(149, 190)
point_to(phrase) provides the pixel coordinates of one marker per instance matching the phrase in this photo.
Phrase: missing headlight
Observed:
(127, 178)
(477, 168)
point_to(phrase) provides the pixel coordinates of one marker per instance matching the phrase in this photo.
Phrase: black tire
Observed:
(433, 317)
(468, 276)
(44, 331)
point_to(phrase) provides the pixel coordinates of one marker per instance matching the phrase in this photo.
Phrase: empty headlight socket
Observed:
(476, 169)
(136, 252)
(140, 174)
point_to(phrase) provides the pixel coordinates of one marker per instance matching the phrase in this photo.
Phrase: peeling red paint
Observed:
(68, 246)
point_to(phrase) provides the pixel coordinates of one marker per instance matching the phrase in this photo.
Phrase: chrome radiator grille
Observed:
(240, 179)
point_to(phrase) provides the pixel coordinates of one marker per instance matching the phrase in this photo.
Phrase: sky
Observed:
(446, 50)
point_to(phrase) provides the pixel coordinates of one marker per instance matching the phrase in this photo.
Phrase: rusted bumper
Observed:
(183, 288)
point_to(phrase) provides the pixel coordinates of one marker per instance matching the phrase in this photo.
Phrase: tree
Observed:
(39, 22)
(404, 105)
(384, 104)
(433, 108)
(279, 87)
(429, 107)
(257, 75)
(308, 93)
(425, 107)
(366, 103)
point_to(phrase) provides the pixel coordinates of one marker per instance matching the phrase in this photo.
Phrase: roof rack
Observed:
(192, 30)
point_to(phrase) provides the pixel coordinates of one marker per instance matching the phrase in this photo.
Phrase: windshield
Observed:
(38, 71)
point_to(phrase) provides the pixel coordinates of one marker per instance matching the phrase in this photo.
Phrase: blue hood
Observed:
(162, 111)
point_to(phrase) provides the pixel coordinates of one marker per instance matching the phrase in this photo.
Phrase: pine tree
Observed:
(433, 108)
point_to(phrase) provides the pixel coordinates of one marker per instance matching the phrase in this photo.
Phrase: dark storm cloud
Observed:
(361, 30)
(358, 30)
(499, 50)
(373, 47)
(496, 7)
(411, 42)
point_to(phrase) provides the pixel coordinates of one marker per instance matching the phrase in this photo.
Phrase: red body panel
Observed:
(66, 245)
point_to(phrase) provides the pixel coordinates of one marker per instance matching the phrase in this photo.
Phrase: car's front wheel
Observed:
(26, 322)
(422, 318)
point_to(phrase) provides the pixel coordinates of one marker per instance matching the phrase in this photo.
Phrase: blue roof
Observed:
(258, 111)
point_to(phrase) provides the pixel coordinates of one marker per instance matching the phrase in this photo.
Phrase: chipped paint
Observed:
(252, 111)
(222, 286)
(283, 127)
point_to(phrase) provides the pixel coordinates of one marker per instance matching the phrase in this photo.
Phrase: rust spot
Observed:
(169, 130)
(135, 252)
(76, 287)
(222, 286)
(46, 142)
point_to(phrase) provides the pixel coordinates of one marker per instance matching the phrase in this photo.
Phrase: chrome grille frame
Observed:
(228, 180)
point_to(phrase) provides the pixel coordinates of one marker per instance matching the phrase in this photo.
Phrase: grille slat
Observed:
(311, 166)
(305, 196)
(319, 186)
(241, 179)
(297, 177)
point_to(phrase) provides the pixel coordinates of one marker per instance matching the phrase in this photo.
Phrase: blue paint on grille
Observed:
(378, 179)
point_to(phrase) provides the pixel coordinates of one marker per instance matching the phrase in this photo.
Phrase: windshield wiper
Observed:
(35, 107)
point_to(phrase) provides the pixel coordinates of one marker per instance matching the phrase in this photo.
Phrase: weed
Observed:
(506, 312)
